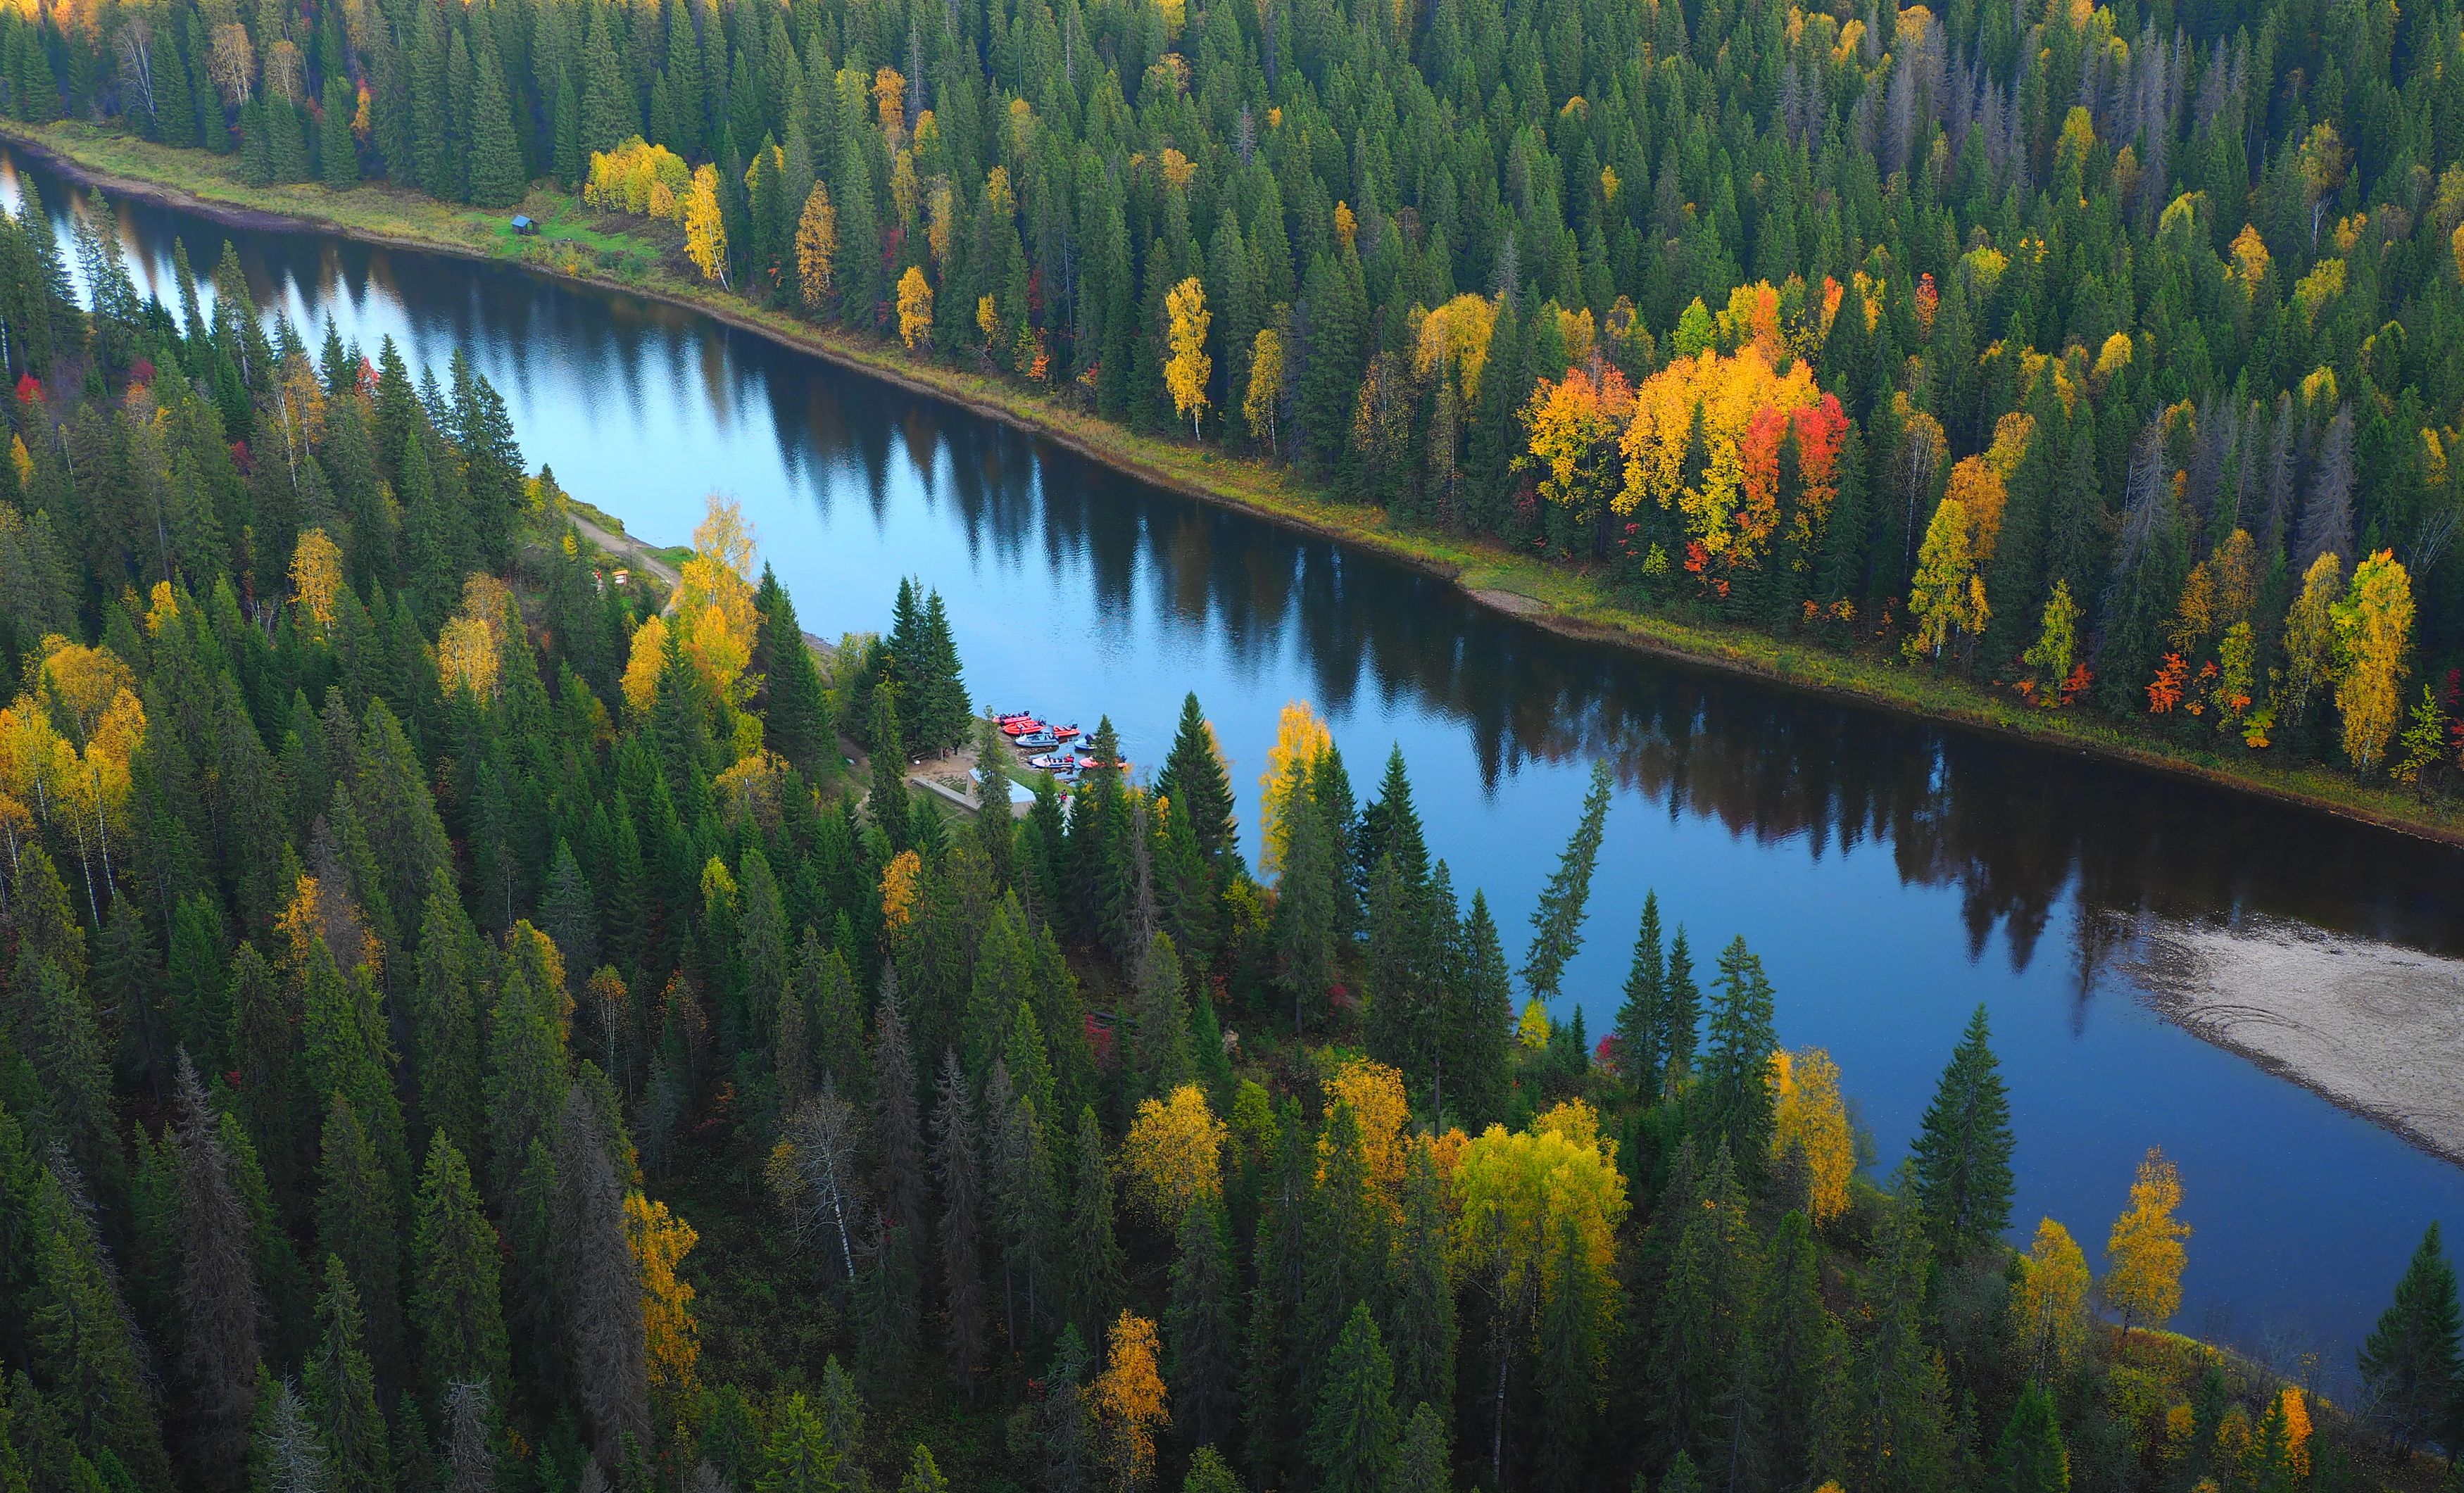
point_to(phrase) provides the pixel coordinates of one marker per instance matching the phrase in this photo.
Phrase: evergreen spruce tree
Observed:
(1736, 1066)
(57, 1034)
(1802, 1356)
(957, 1169)
(1572, 1357)
(1092, 1263)
(1641, 1060)
(1195, 781)
(1702, 1325)
(342, 1390)
(2031, 1458)
(1305, 913)
(1680, 1014)
(1352, 1436)
(1160, 1048)
(495, 165)
(795, 711)
(1424, 1460)
(444, 1023)
(455, 1307)
(1200, 1332)
(356, 1223)
(2409, 1361)
(1421, 1288)
(1480, 1026)
(1963, 1149)
(84, 1342)
(222, 1317)
(338, 149)
(1557, 921)
(1898, 1386)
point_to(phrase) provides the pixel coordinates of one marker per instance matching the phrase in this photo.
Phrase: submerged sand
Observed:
(2376, 1028)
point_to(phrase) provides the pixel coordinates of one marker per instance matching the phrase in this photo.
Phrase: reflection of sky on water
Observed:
(1892, 876)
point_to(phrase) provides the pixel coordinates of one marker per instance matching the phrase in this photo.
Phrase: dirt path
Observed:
(626, 547)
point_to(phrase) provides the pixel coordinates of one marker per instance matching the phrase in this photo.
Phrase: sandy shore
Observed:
(2375, 1028)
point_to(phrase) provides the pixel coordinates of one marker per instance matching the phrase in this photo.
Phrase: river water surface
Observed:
(2271, 995)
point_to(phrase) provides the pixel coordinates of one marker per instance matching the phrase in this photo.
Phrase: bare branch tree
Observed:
(231, 63)
(813, 1175)
(469, 1456)
(136, 44)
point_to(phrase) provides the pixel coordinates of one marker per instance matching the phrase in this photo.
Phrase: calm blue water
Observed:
(1891, 874)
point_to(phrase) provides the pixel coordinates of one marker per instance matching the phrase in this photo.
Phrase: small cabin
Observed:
(524, 225)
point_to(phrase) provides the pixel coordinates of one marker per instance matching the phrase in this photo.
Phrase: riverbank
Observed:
(576, 247)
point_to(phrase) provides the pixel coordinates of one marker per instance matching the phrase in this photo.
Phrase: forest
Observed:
(471, 1023)
(2105, 354)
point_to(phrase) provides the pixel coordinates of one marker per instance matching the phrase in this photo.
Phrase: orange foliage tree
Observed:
(1726, 491)
(1573, 425)
(1130, 1404)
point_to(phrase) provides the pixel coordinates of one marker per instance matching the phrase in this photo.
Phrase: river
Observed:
(2274, 996)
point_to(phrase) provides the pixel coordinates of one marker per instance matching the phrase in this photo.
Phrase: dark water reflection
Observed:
(1892, 874)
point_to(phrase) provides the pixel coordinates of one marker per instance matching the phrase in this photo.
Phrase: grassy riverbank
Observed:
(580, 246)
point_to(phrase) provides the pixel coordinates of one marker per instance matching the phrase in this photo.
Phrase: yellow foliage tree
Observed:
(1301, 738)
(714, 610)
(670, 1337)
(466, 659)
(2310, 635)
(1452, 343)
(1374, 1091)
(898, 888)
(704, 229)
(639, 177)
(1724, 392)
(914, 306)
(2143, 1254)
(2295, 1407)
(317, 576)
(2373, 634)
(93, 725)
(1172, 1155)
(1130, 1404)
(2049, 1305)
(1573, 427)
(1948, 597)
(1811, 1119)
(1980, 492)
(2056, 644)
(1186, 372)
(817, 248)
(1266, 391)
(642, 665)
(1515, 1191)
(889, 103)
(1531, 1028)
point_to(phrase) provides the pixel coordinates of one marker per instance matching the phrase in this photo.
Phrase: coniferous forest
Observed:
(474, 1024)
(2103, 354)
